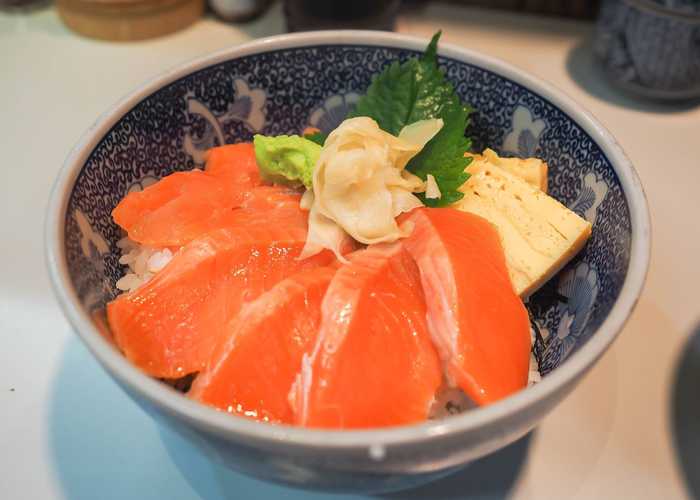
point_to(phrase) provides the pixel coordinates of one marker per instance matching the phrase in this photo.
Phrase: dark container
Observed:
(306, 15)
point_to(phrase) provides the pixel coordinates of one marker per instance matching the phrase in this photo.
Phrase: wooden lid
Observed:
(126, 20)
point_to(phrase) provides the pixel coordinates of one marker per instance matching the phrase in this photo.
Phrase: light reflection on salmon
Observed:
(253, 367)
(373, 363)
(169, 326)
(478, 323)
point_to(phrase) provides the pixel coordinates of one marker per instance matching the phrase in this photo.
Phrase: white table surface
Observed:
(67, 431)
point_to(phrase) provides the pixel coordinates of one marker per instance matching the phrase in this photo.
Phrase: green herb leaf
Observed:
(317, 137)
(443, 158)
(391, 96)
(417, 90)
(430, 54)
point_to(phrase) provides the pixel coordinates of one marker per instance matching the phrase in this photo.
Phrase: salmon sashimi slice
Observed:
(250, 217)
(260, 205)
(271, 197)
(478, 323)
(266, 203)
(183, 205)
(373, 363)
(254, 366)
(234, 162)
(191, 191)
(169, 325)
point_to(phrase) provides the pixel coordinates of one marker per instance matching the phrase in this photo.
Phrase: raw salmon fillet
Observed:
(478, 323)
(373, 363)
(271, 197)
(184, 205)
(260, 205)
(264, 204)
(234, 162)
(169, 326)
(254, 366)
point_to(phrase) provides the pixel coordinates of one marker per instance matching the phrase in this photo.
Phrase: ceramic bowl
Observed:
(281, 85)
(651, 47)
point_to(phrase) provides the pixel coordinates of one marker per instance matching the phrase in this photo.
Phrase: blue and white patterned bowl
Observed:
(651, 47)
(280, 85)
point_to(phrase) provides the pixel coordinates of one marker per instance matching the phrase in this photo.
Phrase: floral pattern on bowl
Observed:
(333, 111)
(248, 107)
(142, 183)
(230, 101)
(591, 195)
(92, 243)
(524, 136)
(579, 289)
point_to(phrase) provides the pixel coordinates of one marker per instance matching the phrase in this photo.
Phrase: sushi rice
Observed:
(143, 263)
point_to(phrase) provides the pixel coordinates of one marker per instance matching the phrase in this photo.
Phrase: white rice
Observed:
(143, 263)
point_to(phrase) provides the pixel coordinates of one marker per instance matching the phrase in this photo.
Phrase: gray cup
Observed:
(651, 47)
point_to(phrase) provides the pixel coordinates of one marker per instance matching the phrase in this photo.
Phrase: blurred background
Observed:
(631, 429)
(650, 48)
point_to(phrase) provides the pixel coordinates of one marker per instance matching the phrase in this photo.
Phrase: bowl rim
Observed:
(238, 428)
